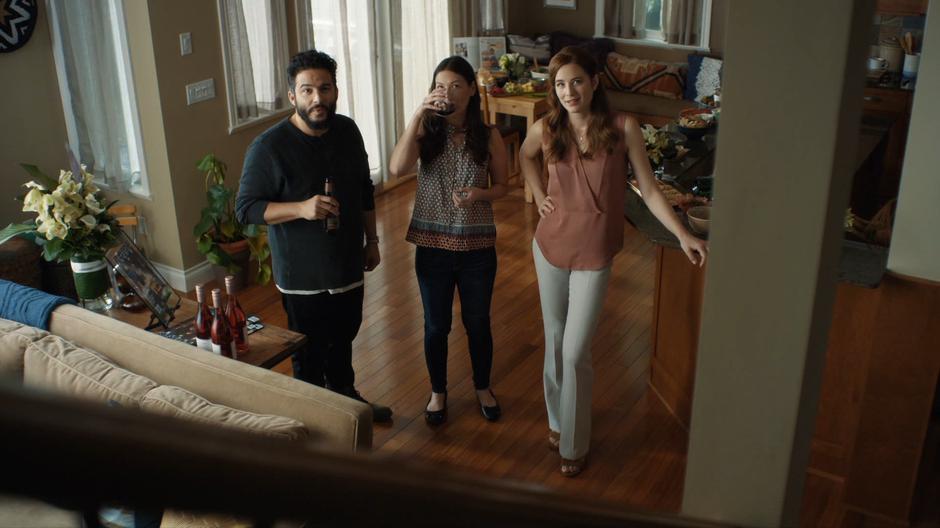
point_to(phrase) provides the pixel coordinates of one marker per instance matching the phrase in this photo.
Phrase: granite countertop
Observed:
(861, 264)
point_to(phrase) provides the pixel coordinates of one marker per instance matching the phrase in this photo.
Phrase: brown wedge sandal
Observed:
(554, 440)
(572, 468)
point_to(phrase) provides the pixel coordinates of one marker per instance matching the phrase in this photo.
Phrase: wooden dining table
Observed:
(531, 107)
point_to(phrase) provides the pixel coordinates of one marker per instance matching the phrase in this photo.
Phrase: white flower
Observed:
(47, 202)
(64, 175)
(33, 185)
(102, 228)
(89, 220)
(92, 204)
(33, 200)
(57, 230)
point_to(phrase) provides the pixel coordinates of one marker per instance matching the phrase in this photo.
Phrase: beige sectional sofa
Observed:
(91, 356)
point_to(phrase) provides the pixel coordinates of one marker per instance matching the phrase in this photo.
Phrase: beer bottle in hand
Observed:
(331, 222)
(221, 334)
(236, 317)
(202, 324)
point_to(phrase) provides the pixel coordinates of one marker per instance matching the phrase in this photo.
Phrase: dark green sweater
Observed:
(285, 165)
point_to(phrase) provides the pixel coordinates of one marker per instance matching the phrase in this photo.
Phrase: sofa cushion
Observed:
(174, 401)
(14, 337)
(56, 364)
(631, 74)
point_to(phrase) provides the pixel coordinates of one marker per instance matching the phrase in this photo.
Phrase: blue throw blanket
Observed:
(27, 305)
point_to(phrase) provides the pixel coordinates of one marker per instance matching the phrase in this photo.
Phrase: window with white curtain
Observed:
(255, 54)
(671, 23)
(385, 54)
(98, 98)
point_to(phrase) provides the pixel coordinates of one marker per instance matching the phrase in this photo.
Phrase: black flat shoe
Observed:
(491, 413)
(436, 417)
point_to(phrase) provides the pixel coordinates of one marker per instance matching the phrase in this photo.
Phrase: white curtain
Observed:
(425, 41)
(618, 18)
(681, 21)
(345, 29)
(94, 96)
(256, 48)
(240, 64)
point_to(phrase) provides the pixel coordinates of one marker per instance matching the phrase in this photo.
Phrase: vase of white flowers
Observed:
(513, 64)
(71, 225)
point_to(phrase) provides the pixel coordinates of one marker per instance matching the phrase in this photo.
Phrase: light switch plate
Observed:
(200, 91)
(186, 43)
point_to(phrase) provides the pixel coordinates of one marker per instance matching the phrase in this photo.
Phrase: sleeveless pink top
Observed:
(586, 229)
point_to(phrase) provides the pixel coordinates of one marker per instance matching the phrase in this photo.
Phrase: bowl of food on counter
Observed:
(695, 122)
(699, 217)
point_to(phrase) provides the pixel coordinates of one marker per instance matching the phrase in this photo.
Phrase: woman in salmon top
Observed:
(586, 149)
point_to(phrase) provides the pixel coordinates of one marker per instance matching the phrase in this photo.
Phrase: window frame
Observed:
(233, 125)
(646, 39)
(128, 88)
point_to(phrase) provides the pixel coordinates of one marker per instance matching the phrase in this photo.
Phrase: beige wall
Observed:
(531, 17)
(159, 207)
(34, 126)
(175, 135)
(914, 247)
(194, 131)
(773, 254)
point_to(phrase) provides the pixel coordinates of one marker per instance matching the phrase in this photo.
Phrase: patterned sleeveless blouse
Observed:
(436, 222)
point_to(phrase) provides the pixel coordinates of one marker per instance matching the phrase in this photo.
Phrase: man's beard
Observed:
(322, 123)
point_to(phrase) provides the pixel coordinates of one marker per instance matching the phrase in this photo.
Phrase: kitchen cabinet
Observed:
(901, 7)
(895, 105)
(873, 433)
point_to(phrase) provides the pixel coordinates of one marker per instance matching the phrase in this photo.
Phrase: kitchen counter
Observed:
(861, 264)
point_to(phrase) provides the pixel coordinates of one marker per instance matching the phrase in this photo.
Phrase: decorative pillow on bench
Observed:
(630, 74)
(704, 77)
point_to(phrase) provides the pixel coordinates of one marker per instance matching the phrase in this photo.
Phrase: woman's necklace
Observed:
(581, 141)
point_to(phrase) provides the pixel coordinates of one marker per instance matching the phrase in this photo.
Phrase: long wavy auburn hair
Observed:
(602, 133)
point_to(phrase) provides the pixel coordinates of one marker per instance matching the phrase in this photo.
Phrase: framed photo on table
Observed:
(129, 262)
(564, 4)
(491, 49)
(468, 48)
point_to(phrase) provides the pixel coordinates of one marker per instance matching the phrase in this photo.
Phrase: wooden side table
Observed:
(527, 106)
(266, 347)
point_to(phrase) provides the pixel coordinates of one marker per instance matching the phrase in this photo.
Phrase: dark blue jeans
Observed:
(473, 273)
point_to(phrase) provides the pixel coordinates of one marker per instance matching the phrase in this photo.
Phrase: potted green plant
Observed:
(220, 236)
(71, 225)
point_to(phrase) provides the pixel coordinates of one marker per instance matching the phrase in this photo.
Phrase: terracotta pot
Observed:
(240, 254)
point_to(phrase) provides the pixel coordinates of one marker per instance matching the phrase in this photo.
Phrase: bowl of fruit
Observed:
(695, 122)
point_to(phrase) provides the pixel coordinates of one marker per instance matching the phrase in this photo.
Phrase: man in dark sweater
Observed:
(319, 273)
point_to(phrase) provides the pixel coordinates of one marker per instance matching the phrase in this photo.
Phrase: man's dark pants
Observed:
(330, 322)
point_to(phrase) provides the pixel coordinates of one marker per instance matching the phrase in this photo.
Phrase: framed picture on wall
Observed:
(564, 4)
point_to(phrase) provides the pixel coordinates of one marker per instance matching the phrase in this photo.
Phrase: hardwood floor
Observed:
(637, 453)
(638, 449)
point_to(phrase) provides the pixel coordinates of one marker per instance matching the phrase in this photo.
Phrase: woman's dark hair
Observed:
(477, 133)
(602, 133)
(309, 60)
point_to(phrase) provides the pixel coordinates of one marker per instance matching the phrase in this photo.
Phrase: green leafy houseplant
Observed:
(218, 226)
(71, 223)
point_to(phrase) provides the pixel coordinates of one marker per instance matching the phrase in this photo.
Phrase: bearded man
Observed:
(283, 185)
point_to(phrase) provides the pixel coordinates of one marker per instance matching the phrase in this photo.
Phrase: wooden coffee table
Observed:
(266, 347)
